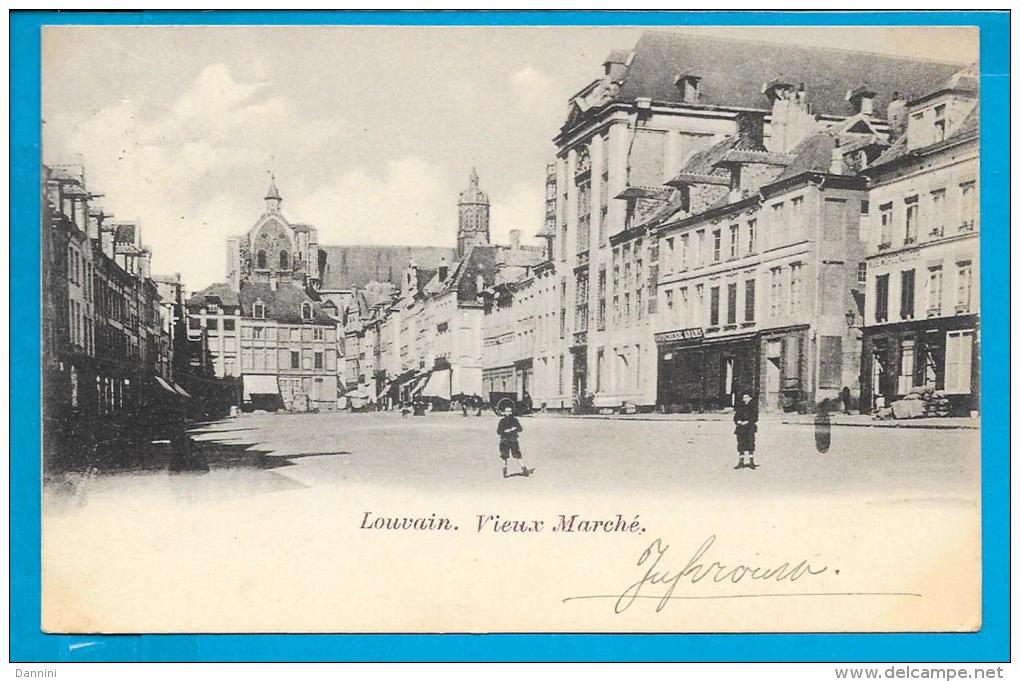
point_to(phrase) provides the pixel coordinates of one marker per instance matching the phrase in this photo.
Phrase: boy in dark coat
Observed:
(745, 416)
(508, 430)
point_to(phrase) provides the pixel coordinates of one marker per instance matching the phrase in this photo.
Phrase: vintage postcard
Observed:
(431, 329)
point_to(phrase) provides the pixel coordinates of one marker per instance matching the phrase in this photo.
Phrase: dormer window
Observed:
(687, 85)
(940, 122)
(258, 310)
(306, 311)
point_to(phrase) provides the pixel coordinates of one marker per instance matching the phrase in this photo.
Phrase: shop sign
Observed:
(691, 335)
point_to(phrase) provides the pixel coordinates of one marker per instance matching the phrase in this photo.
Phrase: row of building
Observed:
(113, 346)
(722, 217)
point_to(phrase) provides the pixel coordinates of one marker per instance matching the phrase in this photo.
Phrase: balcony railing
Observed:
(580, 338)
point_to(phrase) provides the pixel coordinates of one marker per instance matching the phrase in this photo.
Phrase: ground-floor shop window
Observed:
(959, 351)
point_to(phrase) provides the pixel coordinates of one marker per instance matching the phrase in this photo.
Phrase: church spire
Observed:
(273, 198)
(473, 178)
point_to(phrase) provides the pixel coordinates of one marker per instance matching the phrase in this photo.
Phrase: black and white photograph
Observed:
(567, 329)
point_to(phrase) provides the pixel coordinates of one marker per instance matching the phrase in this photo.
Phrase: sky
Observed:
(370, 131)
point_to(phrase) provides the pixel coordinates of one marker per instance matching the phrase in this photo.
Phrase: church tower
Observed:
(473, 222)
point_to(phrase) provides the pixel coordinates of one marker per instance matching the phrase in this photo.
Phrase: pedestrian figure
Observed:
(509, 429)
(845, 396)
(745, 416)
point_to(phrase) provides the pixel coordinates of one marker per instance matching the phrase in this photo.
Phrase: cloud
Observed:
(522, 209)
(530, 80)
(193, 172)
(408, 201)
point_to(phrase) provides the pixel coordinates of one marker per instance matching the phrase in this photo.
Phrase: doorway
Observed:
(773, 374)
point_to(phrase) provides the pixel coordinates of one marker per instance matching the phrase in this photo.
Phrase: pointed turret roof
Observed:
(273, 192)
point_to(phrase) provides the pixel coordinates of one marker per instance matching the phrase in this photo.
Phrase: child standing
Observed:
(745, 416)
(508, 430)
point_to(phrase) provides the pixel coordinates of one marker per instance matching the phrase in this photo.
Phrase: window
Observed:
(194, 323)
(778, 222)
(258, 332)
(667, 256)
(699, 312)
(938, 213)
(775, 291)
(716, 245)
(699, 248)
(283, 260)
(713, 307)
(749, 300)
(684, 244)
(212, 323)
(601, 319)
(295, 360)
(604, 192)
(639, 304)
(684, 305)
(318, 334)
(260, 259)
(910, 233)
(865, 207)
(560, 375)
(228, 325)
(669, 299)
(752, 234)
(905, 381)
(796, 285)
(259, 311)
(318, 360)
(885, 218)
(940, 122)
(935, 291)
(581, 302)
(963, 282)
(796, 211)
(862, 274)
(882, 298)
(626, 307)
(734, 241)
(731, 303)
(959, 354)
(907, 295)
(966, 207)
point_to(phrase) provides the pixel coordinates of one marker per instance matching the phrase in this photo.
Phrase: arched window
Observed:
(283, 260)
(260, 259)
(306, 311)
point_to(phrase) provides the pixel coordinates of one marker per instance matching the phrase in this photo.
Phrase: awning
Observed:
(438, 385)
(165, 385)
(260, 384)
(177, 387)
(419, 384)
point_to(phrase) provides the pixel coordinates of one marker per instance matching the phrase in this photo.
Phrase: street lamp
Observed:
(851, 318)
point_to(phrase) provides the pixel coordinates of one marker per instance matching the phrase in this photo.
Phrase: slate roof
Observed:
(479, 260)
(220, 293)
(733, 72)
(705, 163)
(282, 305)
(353, 267)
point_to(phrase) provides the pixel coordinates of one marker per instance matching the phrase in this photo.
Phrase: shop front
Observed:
(698, 373)
(939, 354)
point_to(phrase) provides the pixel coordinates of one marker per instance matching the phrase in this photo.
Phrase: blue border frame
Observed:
(29, 644)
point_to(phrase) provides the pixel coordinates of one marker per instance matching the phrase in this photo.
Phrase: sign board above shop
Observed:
(691, 335)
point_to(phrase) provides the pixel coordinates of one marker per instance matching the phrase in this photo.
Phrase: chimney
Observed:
(444, 270)
(896, 114)
(862, 100)
(145, 264)
(836, 163)
(792, 120)
(751, 130)
(515, 240)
